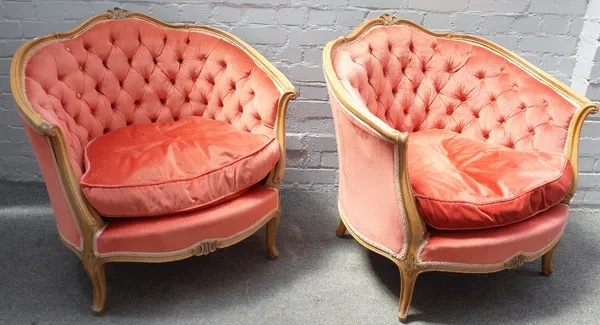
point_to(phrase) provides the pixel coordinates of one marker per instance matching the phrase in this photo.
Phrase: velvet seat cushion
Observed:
(461, 183)
(163, 168)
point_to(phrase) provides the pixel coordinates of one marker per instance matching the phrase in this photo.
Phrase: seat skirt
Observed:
(172, 234)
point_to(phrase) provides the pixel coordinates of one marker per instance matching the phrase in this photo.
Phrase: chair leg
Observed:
(341, 229)
(272, 227)
(407, 285)
(97, 275)
(547, 267)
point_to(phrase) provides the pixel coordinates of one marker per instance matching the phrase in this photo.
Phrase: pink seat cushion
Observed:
(463, 183)
(165, 168)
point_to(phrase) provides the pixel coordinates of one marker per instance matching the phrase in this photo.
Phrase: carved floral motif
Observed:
(205, 248)
(388, 19)
(516, 261)
(117, 13)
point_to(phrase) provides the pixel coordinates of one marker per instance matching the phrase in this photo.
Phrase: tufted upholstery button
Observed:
(390, 46)
(493, 98)
(251, 92)
(370, 48)
(501, 120)
(202, 57)
(485, 134)
(163, 101)
(475, 114)
(204, 101)
(105, 130)
(522, 105)
(91, 99)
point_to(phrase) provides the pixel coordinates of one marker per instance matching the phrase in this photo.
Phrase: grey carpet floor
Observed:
(318, 279)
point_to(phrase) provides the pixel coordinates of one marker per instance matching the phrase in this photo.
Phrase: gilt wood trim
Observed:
(517, 259)
(203, 247)
(88, 219)
(414, 265)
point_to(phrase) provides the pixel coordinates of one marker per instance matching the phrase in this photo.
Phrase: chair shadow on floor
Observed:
(239, 274)
(504, 297)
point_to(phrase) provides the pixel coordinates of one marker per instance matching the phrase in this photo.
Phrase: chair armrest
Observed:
(88, 220)
(572, 145)
(286, 90)
(390, 148)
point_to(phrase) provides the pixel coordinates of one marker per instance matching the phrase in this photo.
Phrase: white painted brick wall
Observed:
(586, 80)
(292, 34)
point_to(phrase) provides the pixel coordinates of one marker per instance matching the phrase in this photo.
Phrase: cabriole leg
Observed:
(341, 229)
(272, 227)
(407, 285)
(547, 267)
(97, 275)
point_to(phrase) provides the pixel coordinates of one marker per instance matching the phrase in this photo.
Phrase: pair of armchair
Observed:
(158, 142)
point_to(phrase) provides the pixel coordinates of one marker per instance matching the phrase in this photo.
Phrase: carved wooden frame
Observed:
(87, 219)
(416, 233)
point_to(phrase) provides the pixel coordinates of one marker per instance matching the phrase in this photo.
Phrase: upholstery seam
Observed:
(267, 216)
(478, 265)
(181, 180)
(562, 174)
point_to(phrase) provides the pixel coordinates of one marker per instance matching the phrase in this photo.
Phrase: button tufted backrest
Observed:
(128, 71)
(415, 81)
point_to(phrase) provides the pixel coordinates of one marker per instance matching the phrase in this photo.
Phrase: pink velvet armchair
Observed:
(157, 142)
(455, 154)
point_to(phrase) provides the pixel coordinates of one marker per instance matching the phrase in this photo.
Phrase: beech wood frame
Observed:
(88, 220)
(409, 263)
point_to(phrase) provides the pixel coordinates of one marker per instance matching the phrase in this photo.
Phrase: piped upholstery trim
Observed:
(403, 219)
(220, 242)
(528, 255)
(62, 186)
(366, 239)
